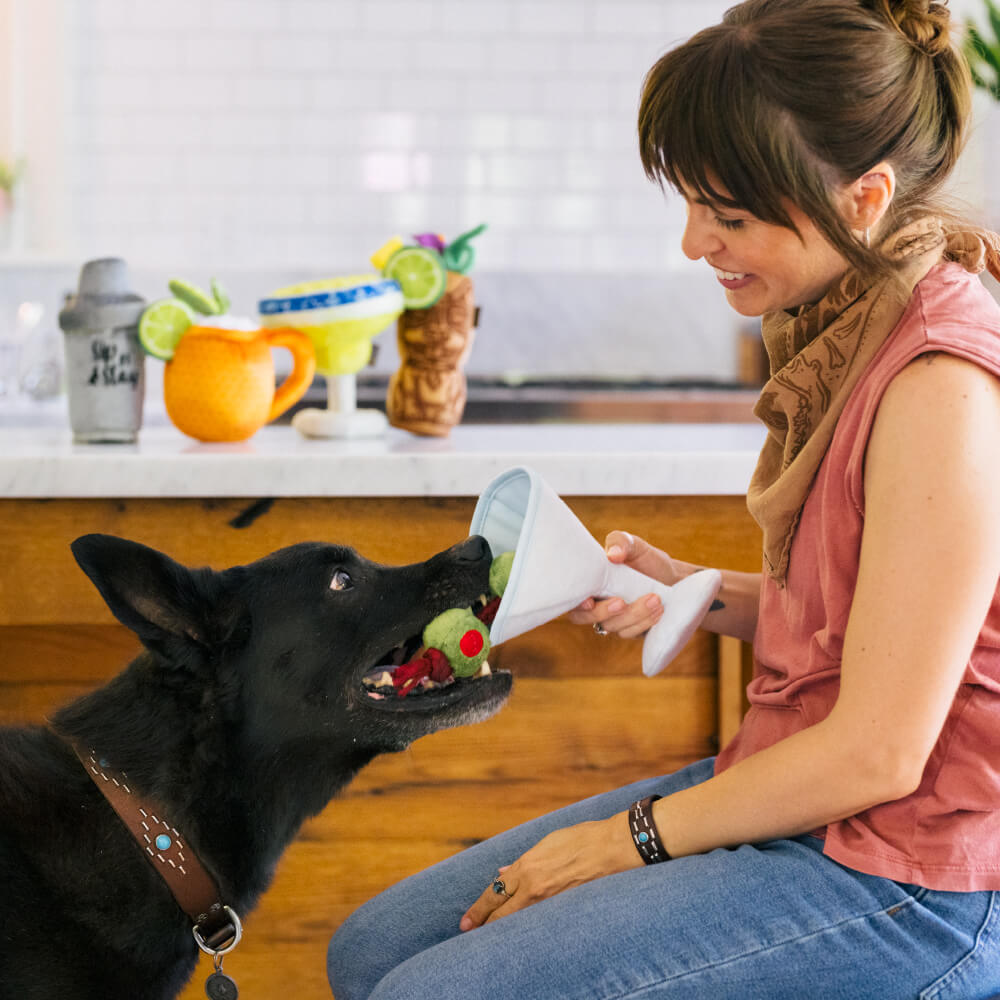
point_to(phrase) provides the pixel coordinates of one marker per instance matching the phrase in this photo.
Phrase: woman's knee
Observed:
(349, 965)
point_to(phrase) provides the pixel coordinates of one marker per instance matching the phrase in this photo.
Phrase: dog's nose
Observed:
(473, 549)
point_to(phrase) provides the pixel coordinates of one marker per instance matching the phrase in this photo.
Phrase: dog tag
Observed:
(219, 986)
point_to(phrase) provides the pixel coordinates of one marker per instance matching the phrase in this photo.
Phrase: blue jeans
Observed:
(772, 921)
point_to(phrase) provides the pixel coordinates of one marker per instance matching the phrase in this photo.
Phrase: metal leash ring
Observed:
(237, 935)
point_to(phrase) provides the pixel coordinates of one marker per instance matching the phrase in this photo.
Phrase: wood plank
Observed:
(731, 687)
(95, 653)
(322, 879)
(590, 723)
(582, 718)
(41, 583)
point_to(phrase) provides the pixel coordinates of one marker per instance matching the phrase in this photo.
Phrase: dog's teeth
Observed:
(484, 670)
(377, 679)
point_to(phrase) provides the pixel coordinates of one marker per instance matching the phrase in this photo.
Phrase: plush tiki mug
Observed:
(427, 394)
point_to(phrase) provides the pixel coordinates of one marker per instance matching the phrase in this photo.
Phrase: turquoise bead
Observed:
(163, 842)
(643, 837)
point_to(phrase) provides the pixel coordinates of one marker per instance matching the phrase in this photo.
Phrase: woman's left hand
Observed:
(560, 861)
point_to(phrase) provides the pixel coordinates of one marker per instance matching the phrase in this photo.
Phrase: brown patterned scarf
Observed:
(817, 357)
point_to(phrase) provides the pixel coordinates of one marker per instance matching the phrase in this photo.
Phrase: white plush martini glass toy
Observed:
(558, 563)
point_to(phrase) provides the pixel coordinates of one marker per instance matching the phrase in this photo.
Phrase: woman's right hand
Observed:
(633, 620)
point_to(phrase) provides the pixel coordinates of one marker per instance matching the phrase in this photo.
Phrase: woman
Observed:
(847, 842)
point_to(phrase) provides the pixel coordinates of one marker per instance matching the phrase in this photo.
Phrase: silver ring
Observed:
(500, 888)
(233, 942)
(600, 629)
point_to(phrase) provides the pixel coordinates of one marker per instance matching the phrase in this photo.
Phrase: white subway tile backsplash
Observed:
(581, 171)
(117, 92)
(400, 17)
(578, 92)
(175, 17)
(290, 55)
(482, 19)
(535, 131)
(522, 55)
(505, 171)
(383, 56)
(270, 141)
(557, 18)
(494, 94)
(621, 17)
(338, 92)
(210, 93)
(277, 92)
(439, 54)
(323, 16)
(237, 16)
(577, 212)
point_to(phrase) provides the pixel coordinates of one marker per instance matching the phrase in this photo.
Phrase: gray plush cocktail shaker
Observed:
(104, 359)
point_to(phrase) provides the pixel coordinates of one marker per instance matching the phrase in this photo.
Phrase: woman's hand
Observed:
(733, 613)
(613, 615)
(560, 861)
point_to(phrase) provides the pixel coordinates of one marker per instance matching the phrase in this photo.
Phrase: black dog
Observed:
(244, 715)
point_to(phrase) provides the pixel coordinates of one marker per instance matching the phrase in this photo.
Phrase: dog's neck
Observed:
(240, 805)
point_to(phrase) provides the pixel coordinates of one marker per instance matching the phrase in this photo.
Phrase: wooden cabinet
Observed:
(582, 717)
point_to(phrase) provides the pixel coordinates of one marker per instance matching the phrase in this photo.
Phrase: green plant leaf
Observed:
(979, 81)
(980, 56)
(993, 11)
(10, 174)
(981, 48)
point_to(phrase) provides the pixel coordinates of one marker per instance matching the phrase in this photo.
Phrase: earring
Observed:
(868, 236)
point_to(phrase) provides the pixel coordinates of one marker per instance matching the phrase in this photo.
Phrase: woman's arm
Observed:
(930, 563)
(734, 611)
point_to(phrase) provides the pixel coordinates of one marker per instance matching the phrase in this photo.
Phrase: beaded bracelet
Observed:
(645, 836)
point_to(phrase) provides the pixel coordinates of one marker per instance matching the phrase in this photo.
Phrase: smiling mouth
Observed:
(411, 670)
(730, 275)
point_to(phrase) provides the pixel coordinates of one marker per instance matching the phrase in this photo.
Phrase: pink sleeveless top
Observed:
(946, 835)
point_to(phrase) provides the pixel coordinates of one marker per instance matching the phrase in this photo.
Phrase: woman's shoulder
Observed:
(952, 311)
(949, 294)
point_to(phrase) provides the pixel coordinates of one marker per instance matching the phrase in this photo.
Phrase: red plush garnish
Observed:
(432, 663)
(408, 675)
(440, 667)
(488, 611)
(471, 643)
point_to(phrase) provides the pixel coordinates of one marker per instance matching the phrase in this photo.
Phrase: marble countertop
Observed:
(39, 459)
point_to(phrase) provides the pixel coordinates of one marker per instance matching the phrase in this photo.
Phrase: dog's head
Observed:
(282, 645)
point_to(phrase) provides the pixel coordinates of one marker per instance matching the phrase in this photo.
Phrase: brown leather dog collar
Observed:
(217, 928)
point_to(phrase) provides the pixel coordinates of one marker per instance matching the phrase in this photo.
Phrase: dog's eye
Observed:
(341, 581)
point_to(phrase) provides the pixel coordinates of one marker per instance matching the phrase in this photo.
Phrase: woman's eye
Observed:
(729, 223)
(341, 581)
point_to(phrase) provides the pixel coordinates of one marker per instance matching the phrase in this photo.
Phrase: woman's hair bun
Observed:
(924, 23)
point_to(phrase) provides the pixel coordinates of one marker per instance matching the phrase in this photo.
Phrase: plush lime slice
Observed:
(162, 325)
(221, 296)
(198, 300)
(421, 275)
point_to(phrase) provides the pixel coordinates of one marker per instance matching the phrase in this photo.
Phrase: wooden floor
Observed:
(580, 721)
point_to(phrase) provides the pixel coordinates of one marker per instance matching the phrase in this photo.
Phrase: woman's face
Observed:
(762, 267)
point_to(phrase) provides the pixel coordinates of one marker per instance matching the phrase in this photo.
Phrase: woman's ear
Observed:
(869, 197)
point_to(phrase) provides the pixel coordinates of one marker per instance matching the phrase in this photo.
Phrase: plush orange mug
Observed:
(219, 385)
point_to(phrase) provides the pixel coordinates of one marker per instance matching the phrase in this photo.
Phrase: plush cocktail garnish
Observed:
(453, 645)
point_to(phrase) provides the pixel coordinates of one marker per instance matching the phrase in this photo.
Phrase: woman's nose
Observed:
(698, 241)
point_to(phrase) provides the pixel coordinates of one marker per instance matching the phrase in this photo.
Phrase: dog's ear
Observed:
(163, 602)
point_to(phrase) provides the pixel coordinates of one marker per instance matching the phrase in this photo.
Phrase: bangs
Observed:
(707, 128)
